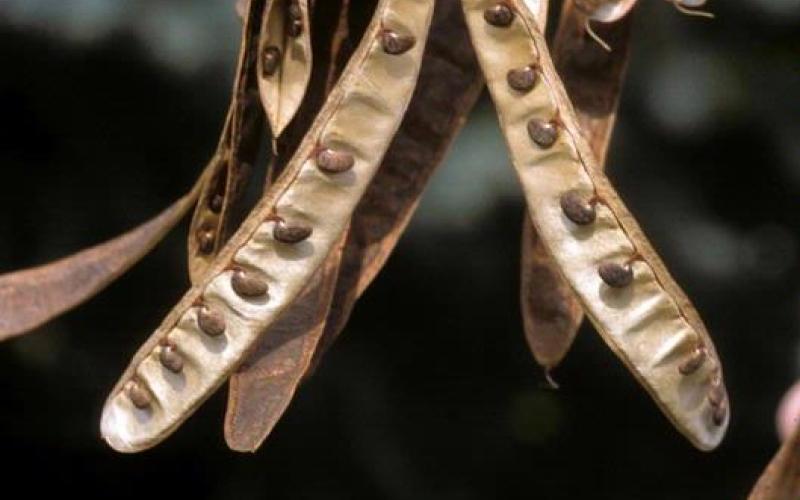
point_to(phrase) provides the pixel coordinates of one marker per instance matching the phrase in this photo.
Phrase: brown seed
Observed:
(616, 275)
(719, 413)
(215, 203)
(295, 28)
(247, 285)
(271, 60)
(394, 43)
(294, 10)
(138, 395)
(171, 359)
(205, 240)
(544, 134)
(334, 162)
(716, 394)
(521, 79)
(290, 234)
(211, 321)
(693, 362)
(577, 208)
(499, 15)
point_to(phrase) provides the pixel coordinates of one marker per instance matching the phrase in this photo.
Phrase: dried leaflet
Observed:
(236, 152)
(284, 60)
(781, 479)
(593, 78)
(354, 128)
(451, 78)
(263, 386)
(31, 297)
(635, 305)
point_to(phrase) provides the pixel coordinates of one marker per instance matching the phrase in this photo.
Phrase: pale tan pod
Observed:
(360, 117)
(284, 61)
(649, 324)
(593, 79)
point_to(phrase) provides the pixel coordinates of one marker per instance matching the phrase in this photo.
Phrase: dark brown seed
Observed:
(215, 203)
(247, 285)
(295, 28)
(719, 413)
(294, 10)
(334, 162)
(716, 394)
(290, 234)
(522, 79)
(577, 208)
(171, 359)
(499, 15)
(394, 43)
(616, 275)
(211, 322)
(271, 60)
(138, 395)
(544, 134)
(205, 240)
(693, 362)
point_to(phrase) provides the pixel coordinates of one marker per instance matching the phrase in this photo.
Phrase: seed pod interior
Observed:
(360, 117)
(649, 324)
(285, 60)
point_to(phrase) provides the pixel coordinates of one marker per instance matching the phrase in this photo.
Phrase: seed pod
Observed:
(662, 325)
(265, 382)
(286, 60)
(364, 112)
(453, 82)
(238, 147)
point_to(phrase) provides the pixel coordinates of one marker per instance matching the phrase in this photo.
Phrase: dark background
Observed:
(110, 110)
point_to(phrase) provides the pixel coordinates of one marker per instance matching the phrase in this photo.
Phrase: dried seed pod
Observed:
(550, 310)
(247, 285)
(211, 321)
(286, 62)
(266, 381)
(290, 234)
(364, 110)
(334, 162)
(662, 323)
(521, 79)
(238, 147)
(171, 358)
(453, 83)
